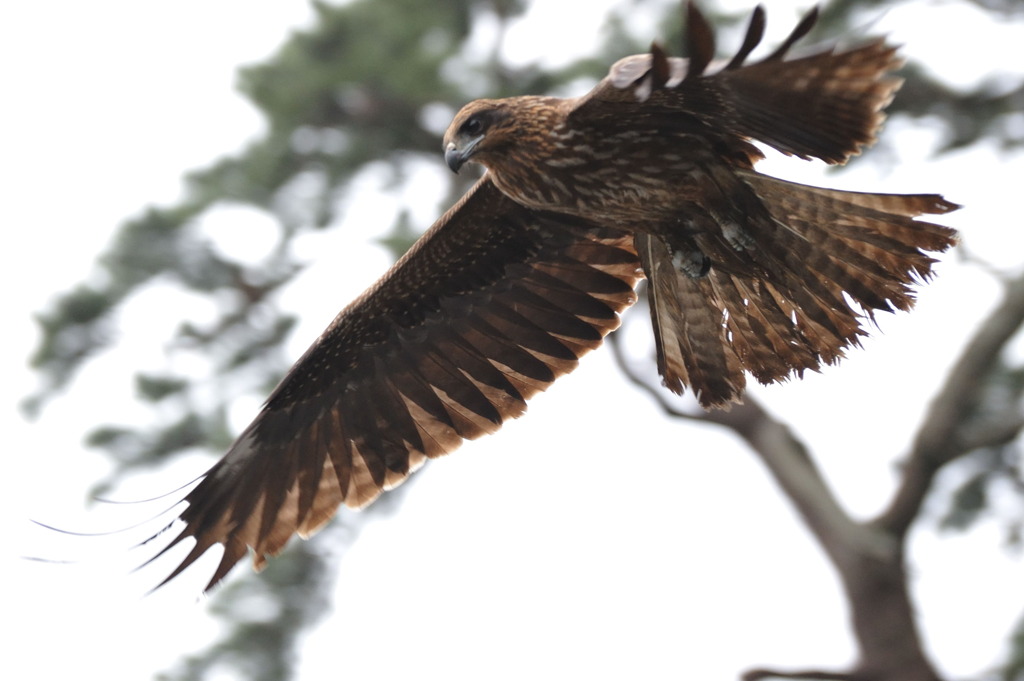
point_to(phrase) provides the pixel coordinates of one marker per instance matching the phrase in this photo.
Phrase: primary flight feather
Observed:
(650, 175)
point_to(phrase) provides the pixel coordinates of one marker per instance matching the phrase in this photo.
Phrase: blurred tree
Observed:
(367, 91)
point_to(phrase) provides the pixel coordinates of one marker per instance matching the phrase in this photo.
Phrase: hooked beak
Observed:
(453, 157)
(456, 157)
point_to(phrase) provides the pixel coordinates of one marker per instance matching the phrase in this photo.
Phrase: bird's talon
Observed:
(738, 238)
(693, 264)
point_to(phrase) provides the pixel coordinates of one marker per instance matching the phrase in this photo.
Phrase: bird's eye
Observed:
(474, 126)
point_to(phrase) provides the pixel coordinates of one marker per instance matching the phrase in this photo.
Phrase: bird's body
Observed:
(650, 175)
(598, 173)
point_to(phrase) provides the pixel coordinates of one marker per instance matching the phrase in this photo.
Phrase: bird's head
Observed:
(480, 127)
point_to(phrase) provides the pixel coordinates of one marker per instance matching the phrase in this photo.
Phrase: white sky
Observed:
(589, 539)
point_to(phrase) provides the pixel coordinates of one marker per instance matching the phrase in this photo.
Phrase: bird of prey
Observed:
(650, 175)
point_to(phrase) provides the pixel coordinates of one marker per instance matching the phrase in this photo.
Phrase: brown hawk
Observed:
(651, 174)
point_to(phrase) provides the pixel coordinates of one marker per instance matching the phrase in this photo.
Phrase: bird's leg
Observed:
(736, 235)
(692, 263)
(734, 209)
(687, 256)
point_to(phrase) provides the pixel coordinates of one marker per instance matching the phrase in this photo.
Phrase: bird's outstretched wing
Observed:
(488, 308)
(827, 104)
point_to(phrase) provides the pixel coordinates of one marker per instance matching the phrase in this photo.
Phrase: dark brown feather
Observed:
(752, 38)
(699, 44)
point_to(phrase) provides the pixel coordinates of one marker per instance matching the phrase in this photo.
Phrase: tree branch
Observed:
(816, 674)
(947, 429)
(868, 559)
(784, 455)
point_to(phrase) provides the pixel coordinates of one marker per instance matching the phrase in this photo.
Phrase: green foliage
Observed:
(994, 473)
(155, 388)
(402, 236)
(996, 466)
(988, 111)
(135, 448)
(968, 503)
(1014, 667)
(263, 643)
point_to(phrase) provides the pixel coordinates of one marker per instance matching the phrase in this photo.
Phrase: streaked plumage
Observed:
(649, 175)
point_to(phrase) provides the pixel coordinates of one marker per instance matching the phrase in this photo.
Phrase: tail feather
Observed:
(797, 296)
(872, 236)
(866, 248)
(687, 330)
